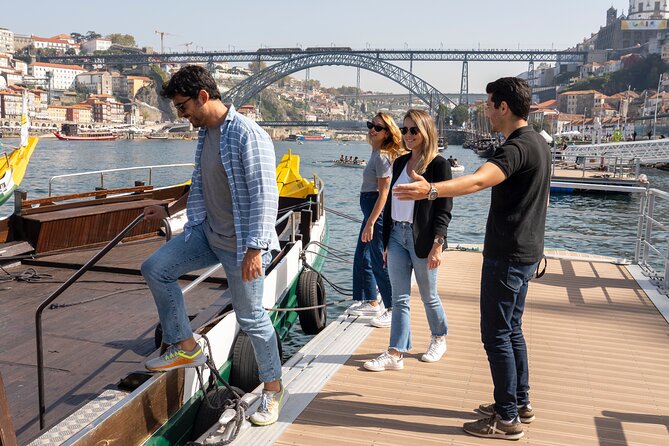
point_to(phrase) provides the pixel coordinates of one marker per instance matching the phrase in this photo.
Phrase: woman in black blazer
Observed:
(414, 236)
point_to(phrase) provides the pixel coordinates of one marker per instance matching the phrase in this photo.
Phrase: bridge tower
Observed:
(530, 75)
(464, 83)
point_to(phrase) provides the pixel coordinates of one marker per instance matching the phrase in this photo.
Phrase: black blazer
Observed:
(429, 217)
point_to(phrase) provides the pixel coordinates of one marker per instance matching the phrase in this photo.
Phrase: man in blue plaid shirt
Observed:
(231, 207)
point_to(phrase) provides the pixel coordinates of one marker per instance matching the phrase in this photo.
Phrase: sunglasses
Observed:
(378, 128)
(181, 105)
(413, 130)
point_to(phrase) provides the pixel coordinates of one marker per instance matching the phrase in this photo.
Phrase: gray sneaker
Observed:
(494, 427)
(525, 413)
(270, 405)
(176, 358)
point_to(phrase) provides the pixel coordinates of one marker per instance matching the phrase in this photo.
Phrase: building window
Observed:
(640, 7)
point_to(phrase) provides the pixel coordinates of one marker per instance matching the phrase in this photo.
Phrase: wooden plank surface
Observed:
(87, 347)
(599, 361)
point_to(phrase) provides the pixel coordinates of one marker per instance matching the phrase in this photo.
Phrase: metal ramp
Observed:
(648, 152)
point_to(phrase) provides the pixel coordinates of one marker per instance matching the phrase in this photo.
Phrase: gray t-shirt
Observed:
(378, 166)
(219, 226)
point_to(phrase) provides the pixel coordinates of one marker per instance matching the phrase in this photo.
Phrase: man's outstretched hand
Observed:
(416, 190)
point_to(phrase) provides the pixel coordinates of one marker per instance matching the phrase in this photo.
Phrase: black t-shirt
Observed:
(517, 217)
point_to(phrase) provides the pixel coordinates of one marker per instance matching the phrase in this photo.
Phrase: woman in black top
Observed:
(414, 236)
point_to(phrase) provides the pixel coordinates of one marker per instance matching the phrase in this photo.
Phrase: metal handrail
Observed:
(38, 314)
(122, 169)
(53, 296)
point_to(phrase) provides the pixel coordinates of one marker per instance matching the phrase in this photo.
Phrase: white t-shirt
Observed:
(402, 210)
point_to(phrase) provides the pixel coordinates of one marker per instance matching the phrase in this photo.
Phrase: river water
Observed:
(597, 224)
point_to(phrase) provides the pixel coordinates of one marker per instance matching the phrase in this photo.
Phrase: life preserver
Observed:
(311, 292)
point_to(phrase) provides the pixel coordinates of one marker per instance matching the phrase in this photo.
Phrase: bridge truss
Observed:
(244, 91)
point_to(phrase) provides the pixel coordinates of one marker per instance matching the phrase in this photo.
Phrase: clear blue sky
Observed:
(418, 24)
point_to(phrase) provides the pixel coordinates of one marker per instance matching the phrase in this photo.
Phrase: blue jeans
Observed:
(503, 292)
(368, 268)
(178, 257)
(402, 260)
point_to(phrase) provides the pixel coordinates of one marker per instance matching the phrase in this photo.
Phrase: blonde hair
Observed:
(392, 145)
(427, 129)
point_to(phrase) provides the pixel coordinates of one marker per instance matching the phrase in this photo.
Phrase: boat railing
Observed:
(102, 173)
(292, 222)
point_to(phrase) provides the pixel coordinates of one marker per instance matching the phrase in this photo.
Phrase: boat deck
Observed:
(599, 361)
(88, 346)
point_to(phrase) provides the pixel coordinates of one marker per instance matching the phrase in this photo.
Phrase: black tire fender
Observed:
(244, 371)
(210, 410)
(311, 292)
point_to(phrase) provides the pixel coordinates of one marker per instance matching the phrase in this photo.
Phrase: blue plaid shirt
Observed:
(247, 154)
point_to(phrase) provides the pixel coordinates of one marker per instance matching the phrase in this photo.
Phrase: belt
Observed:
(402, 224)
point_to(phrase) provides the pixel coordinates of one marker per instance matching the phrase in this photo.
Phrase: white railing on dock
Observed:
(651, 251)
(648, 151)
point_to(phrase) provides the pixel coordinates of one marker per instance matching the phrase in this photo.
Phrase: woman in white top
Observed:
(414, 237)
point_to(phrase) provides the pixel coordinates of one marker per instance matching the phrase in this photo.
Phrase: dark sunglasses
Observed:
(414, 130)
(181, 105)
(378, 128)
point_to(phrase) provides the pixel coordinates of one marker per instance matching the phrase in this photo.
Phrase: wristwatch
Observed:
(439, 241)
(433, 194)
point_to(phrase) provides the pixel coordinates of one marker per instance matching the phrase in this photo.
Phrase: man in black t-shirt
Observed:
(519, 175)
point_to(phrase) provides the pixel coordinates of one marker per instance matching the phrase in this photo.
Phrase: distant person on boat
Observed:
(341, 158)
(231, 209)
(451, 161)
(355, 160)
(455, 163)
(414, 236)
(369, 269)
(519, 174)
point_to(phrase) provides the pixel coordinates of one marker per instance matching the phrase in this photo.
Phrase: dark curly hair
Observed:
(188, 82)
(514, 91)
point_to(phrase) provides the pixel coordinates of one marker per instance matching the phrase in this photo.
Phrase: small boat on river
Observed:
(91, 136)
(358, 164)
(91, 345)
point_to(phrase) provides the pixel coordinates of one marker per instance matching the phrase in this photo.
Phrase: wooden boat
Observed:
(92, 351)
(156, 136)
(100, 136)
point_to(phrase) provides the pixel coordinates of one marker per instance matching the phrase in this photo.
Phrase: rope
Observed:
(342, 215)
(30, 275)
(230, 403)
(93, 299)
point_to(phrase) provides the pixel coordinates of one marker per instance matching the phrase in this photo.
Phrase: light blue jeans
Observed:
(402, 260)
(178, 257)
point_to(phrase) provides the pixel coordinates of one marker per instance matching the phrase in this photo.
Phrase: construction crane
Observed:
(187, 45)
(162, 36)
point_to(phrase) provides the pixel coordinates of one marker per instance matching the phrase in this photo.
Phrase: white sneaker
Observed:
(367, 309)
(383, 320)
(354, 306)
(435, 350)
(385, 361)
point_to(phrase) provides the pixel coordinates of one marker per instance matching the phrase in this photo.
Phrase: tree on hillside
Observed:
(122, 39)
(638, 73)
(78, 38)
(460, 114)
(253, 66)
(92, 35)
